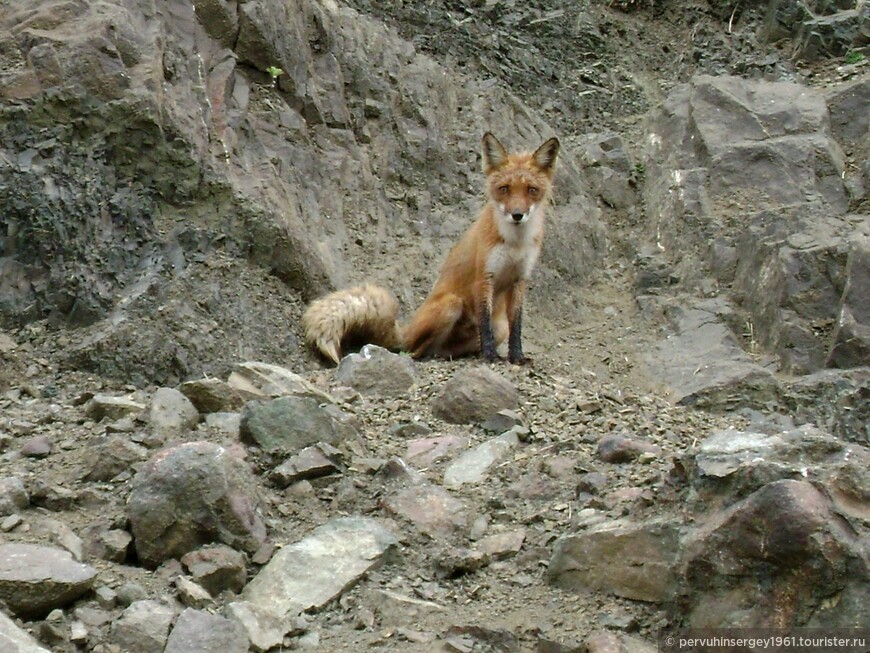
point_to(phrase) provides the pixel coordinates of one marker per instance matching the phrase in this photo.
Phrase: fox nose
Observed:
(518, 216)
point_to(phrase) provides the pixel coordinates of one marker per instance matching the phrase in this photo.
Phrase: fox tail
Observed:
(355, 316)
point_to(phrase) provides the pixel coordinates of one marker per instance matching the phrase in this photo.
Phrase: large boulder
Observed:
(190, 495)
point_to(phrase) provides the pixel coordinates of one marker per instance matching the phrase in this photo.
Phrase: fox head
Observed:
(518, 184)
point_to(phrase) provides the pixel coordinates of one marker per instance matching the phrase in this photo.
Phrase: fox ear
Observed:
(494, 154)
(545, 156)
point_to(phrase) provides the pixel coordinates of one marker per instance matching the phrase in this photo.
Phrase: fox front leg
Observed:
(487, 335)
(515, 339)
(515, 313)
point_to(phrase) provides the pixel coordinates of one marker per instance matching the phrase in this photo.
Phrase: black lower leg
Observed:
(515, 339)
(487, 337)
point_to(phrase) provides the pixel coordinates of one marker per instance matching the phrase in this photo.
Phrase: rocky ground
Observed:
(183, 500)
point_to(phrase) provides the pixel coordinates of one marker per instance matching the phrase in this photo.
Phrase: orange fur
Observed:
(477, 300)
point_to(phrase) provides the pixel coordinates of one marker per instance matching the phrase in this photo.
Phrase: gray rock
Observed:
(499, 546)
(609, 170)
(835, 400)
(503, 420)
(229, 423)
(172, 414)
(143, 627)
(16, 640)
(617, 448)
(287, 424)
(111, 457)
(846, 103)
(13, 495)
(454, 562)
(311, 462)
(752, 166)
(314, 571)
(191, 495)
(833, 36)
(784, 538)
(111, 544)
(35, 579)
(211, 395)
(425, 451)
(634, 561)
(217, 568)
(254, 380)
(101, 407)
(432, 509)
(850, 342)
(790, 278)
(377, 371)
(474, 395)
(130, 592)
(602, 641)
(37, 447)
(473, 466)
(732, 464)
(192, 594)
(265, 630)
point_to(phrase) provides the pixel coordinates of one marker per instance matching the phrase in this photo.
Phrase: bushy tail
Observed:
(356, 316)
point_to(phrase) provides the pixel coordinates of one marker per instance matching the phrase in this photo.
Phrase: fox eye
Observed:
(504, 189)
(533, 191)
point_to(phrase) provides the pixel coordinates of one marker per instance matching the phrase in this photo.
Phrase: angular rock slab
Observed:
(635, 561)
(254, 380)
(172, 413)
(200, 632)
(143, 627)
(191, 495)
(431, 508)
(781, 551)
(474, 465)
(314, 571)
(34, 580)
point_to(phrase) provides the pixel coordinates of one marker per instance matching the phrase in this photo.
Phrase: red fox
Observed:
(477, 300)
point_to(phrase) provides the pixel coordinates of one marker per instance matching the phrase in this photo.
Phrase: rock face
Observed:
(200, 632)
(751, 194)
(144, 626)
(350, 117)
(190, 495)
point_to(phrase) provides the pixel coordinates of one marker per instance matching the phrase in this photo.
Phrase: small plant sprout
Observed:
(274, 73)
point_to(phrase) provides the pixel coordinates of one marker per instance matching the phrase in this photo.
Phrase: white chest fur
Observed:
(509, 263)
